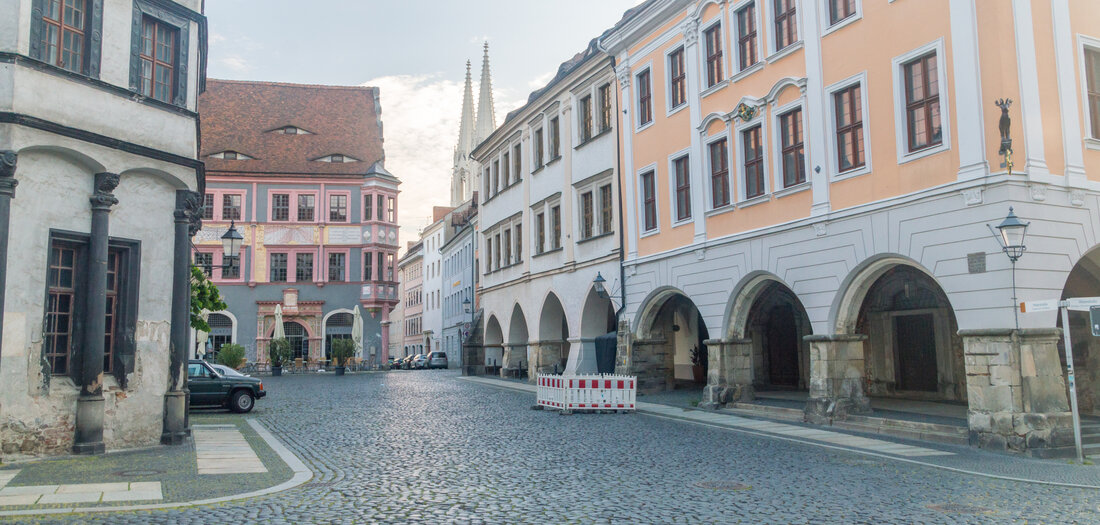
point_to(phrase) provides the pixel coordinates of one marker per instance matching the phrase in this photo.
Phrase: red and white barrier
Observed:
(587, 392)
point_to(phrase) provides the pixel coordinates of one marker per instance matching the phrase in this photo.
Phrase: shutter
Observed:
(94, 38)
(38, 7)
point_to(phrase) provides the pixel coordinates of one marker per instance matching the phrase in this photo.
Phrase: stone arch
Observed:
(165, 176)
(77, 157)
(1083, 281)
(342, 320)
(597, 324)
(643, 321)
(669, 331)
(553, 345)
(771, 321)
(846, 306)
(515, 350)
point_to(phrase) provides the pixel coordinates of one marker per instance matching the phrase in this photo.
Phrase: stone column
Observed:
(89, 407)
(729, 372)
(176, 425)
(836, 378)
(548, 357)
(8, 183)
(1017, 392)
(651, 362)
(473, 359)
(384, 352)
(515, 354)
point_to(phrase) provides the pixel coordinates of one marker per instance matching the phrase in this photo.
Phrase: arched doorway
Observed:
(669, 351)
(299, 339)
(337, 326)
(494, 343)
(515, 352)
(553, 351)
(221, 332)
(1083, 281)
(777, 325)
(598, 341)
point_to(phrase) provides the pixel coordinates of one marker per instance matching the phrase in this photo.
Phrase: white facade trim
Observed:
(826, 28)
(1067, 102)
(1030, 105)
(1083, 42)
(969, 115)
(901, 122)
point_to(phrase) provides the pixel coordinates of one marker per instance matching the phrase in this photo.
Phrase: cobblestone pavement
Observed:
(424, 447)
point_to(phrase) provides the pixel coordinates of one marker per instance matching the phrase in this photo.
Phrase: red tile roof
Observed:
(239, 116)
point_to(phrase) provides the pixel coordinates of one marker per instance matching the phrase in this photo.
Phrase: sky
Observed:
(415, 52)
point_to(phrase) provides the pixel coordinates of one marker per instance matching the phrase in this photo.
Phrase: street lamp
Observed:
(1010, 234)
(466, 305)
(599, 281)
(231, 242)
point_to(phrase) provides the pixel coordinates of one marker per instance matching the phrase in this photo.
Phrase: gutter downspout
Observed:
(619, 173)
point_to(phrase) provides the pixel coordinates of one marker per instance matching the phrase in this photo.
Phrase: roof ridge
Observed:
(291, 84)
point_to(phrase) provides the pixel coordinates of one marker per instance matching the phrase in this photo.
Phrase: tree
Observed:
(204, 296)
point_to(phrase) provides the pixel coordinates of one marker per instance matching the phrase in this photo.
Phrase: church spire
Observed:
(486, 116)
(466, 138)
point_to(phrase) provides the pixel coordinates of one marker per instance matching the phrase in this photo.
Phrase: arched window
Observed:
(338, 326)
(299, 343)
(221, 331)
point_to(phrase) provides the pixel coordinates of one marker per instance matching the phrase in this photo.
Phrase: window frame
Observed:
(901, 121)
(675, 160)
(1086, 44)
(347, 206)
(743, 199)
(716, 59)
(607, 216)
(647, 71)
(828, 25)
(650, 172)
(779, 151)
(172, 15)
(92, 37)
(710, 143)
(773, 27)
(670, 86)
(760, 47)
(346, 253)
(859, 79)
(606, 105)
(553, 138)
(587, 213)
(586, 118)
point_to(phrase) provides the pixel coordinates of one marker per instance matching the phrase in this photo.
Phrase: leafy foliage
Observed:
(699, 356)
(231, 355)
(204, 296)
(342, 351)
(278, 351)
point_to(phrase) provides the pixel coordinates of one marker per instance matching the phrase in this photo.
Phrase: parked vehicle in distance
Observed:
(403, 362)
(391, 363)
(225, 370)
(210, 388)
(437, 360)
(419, 361)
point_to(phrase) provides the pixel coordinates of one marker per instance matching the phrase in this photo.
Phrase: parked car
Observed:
(391, 363)
(405, 363)
(210, 388)
(437, 360)
(419, 361)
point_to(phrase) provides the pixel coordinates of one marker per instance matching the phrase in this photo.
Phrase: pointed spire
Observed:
(466, 138)
(486, 115)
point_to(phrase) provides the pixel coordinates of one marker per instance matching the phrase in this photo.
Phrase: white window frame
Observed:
(597, 217)
(669, 110)
(830, 101)
(636, 96)
(900, 124)
(827, 28)
(674, 210)
(718, 20)
(777, 148)
(773, 53)
(549, 206)
(641, 200)
(1093, 43)
(739, 150)
(708, 190)
(735, 36)
(536, 248)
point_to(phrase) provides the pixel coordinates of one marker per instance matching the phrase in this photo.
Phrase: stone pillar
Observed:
(515, 356)
(1017, 392)
(89, 407)
(176, 425)
(651, 362)
(8, 183)
(473, 359)
(384, 353)
(836, 378)
(729, 372)
(548, 357)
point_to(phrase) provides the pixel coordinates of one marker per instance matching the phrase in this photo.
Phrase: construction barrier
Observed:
(586, 392)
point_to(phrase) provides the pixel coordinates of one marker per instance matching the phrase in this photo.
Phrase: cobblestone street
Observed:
(427, 447)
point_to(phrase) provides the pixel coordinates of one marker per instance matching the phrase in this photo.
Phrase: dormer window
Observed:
(230, 155)
(291, 130)
(336, 158)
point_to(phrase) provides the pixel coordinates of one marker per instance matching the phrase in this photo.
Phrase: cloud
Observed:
(235, 63)
(541, 80)
(480, 39)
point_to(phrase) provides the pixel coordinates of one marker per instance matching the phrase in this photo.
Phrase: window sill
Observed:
(682, 222)
(650, 233)
(776, 56)
(865, 169)
(1092, 143)
(713, 89)
(843, 22)
(552, 161)
(720, 210)
(921, 153)
(754, 201)
(643, 127)
(592, 139)
(672, 111)
(537, 169)
(596, 237)
(797, 188)
(747, 71)
(548, 252)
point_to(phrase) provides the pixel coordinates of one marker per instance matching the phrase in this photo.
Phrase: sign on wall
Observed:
(343, 235)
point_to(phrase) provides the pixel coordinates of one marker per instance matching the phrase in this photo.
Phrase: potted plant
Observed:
(342, 351)
(699, 363)
(231, 355)
(278, 351)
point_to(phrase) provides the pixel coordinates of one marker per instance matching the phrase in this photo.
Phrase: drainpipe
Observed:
(622, 232)
(8, 182)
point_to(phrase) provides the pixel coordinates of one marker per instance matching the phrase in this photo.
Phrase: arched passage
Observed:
(669, 349)
(553, 345)
(515, 352)
(776, 325)
(337, 325)
(1084, 281)
(598, 341)
(494, 342)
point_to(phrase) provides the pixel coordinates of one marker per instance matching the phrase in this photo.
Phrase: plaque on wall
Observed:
(288, 235)
(343, 235)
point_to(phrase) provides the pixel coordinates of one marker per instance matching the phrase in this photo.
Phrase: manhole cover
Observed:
(959, 508)
(138, 473)
(722, 485)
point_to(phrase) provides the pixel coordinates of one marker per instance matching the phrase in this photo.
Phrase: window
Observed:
(338, 158)
(338, 208)
(496, 250)
(786, 25)
(380, 207)
(555, 227)
(713, 37)
(504, 164)
(368, 207)
(229, 155)
(232, 268)
(336, 267)
(368, 266)
(677, 79)
(496, 176)
(605, 208)
(555, 138)
(1092, 74)
(719, 173)
(517, 160)
(158, 59)
(746, 35)
(605, 107)
(61, 306)
(280, 207)
(538, 148)
(488, 254)
(305, 207)
(208, 207)
(586, 118)
(645, 99)
(507, 246)
(683, 188)
(391, 209)
(540, 233)
(754, 162)
(205, 261)
(794, 160)
(519, 242)
(649, 201)
(922, 103)
(849, 128)
(382, 266)
(231, 207)
(111, 312)
(587, 215)
(303, 267)
(841, 9)
(389, 266)
(278, 267)
(63, 35)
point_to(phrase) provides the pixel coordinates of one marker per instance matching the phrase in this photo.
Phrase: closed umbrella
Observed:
(202, 337)
(357, 331)
(279, 332)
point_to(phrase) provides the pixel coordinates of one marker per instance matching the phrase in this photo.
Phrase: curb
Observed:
(642, 410)
(301, 475)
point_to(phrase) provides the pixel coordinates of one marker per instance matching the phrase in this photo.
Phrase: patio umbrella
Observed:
(279, 332)
(357, 331)
(202, 337)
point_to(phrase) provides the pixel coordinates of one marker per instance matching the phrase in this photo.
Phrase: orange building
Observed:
(806, 189)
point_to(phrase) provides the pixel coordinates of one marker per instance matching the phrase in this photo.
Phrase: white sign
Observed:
(1047, 305)
(343, 235)
(1082, 303)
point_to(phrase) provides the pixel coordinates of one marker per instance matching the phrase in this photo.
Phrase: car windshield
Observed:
(226, 371)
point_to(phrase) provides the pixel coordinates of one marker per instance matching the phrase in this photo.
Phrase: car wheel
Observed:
(242, 402)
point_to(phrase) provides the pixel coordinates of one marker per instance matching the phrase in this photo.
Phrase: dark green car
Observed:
(209, 388)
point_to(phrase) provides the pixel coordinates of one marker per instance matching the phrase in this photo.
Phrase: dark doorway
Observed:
(916, 350)
(605, 352)
(782, 346)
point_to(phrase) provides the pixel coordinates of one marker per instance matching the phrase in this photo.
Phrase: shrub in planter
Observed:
(231, 355)
(278, 351)
(699, 362)
(342, 351)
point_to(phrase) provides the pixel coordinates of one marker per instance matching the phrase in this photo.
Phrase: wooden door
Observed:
(915, 341)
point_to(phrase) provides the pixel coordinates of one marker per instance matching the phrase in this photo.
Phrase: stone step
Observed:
(955, 435)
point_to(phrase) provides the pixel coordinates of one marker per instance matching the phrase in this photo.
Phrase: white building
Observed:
(432, 287)
(98, 142)
(459, 255)
(550, 223)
